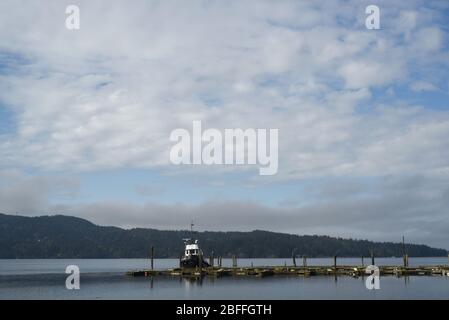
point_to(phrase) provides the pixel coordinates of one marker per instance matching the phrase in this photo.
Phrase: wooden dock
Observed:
(304, 270)
(265, 271)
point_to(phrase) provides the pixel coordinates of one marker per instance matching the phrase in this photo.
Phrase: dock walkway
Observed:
(264, 271)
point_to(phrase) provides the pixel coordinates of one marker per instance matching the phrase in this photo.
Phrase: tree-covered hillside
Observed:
(70, 237)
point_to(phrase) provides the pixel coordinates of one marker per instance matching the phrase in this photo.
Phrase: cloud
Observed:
(423, 86)
(148, 191)
(413, 206)
(367, 74)
(382, 208)
(429, 39)
(113, 103)
(29, 195)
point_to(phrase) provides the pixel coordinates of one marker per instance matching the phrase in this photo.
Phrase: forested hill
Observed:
(70, 237)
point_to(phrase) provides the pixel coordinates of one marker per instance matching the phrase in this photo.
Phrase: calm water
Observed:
(105, 279)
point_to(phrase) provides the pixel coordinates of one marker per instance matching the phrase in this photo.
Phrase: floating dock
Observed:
(353, 271)
(218, 270)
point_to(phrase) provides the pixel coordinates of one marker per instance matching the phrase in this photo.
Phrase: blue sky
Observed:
(363, 115)
(6, 121)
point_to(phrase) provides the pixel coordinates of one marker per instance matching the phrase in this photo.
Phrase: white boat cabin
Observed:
(192, 249)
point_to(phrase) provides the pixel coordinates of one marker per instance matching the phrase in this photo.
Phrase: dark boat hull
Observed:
(192, 262)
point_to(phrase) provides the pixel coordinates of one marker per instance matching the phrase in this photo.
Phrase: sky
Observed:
(363, 115)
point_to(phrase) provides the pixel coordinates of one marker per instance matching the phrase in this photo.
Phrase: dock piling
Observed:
(404, 253)
(372, 258)
(335, 263)
(304, 261)
(405, 260)
(152, 257)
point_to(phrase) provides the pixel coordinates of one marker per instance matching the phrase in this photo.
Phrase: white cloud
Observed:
(428, 39)
(369, 73)
(109, 95)
(423, 86)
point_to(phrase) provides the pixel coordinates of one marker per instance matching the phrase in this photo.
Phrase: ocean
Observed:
(106, 279)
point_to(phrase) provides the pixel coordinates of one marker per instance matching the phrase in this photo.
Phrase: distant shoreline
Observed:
(65, 237)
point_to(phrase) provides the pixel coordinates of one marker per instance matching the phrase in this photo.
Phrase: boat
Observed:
(193, 255)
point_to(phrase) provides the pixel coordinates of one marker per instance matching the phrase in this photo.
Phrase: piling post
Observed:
(372, 258)
(304, 261)
(335, 263)
(200, 262)
(363, 263)
(294, 258)
(180, 258)
(404, 253)
(234, 261)
(152, 257)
